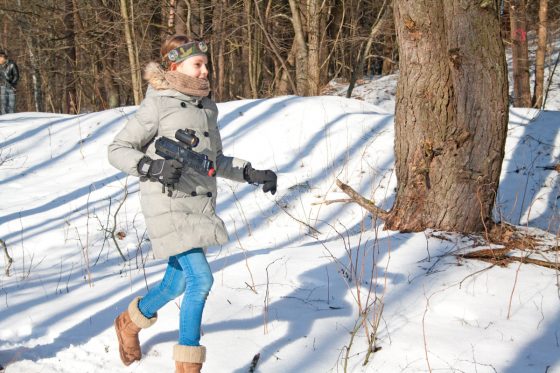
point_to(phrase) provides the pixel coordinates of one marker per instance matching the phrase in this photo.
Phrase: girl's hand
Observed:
(265, 177)
(166, 171)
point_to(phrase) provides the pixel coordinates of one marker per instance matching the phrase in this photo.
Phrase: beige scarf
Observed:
(187, 85)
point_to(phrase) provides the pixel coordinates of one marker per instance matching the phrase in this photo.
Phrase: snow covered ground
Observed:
(302, 282)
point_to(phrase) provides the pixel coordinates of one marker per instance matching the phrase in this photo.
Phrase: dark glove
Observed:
(166, 171)
(265, 177)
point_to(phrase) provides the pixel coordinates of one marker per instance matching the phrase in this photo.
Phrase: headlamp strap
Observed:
(187, 50)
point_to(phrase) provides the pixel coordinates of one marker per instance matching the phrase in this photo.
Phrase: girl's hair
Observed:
(170, 43)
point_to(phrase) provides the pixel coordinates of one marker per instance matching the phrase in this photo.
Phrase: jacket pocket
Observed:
(193, 184)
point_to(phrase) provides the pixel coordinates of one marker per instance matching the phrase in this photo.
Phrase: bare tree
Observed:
(106, 15)
(218, 49)
(302, 77)
(520, 53)
(84, 55)
(171, 16)
(252, 50)
(541, 54)
(381, 20)
(316, 28)
(132, 55)
(71, 62)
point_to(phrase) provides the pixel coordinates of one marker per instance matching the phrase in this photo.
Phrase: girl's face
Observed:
(195, 67)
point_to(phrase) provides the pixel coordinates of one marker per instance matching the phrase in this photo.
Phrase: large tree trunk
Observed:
(520, 53)
(451, 115)
(541, 54)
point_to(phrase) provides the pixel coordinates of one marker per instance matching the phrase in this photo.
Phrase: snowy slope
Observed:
(291, 282)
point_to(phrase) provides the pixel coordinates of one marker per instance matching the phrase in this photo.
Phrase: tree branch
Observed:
(365, 203)
(8, 257)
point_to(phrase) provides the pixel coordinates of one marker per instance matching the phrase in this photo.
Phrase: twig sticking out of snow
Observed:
(8, 257)
(364, 202)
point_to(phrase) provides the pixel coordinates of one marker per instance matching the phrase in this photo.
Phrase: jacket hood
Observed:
(154, 74)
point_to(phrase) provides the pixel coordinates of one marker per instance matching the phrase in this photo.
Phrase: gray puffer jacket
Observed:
(187, 219)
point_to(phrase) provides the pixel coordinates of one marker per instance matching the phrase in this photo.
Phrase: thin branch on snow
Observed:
(8, 257)
(364, 202)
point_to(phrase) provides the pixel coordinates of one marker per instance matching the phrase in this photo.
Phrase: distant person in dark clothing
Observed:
(9, 76)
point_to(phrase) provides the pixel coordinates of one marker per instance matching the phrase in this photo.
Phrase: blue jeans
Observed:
(187, 273)
(7, 99)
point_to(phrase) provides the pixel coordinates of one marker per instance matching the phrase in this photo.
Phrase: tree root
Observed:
(500, 257)
(512, 238)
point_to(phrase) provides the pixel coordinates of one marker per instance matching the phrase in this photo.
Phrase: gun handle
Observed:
(169, 189)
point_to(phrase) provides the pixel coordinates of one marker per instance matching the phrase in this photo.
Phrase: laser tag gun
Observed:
(182, 151)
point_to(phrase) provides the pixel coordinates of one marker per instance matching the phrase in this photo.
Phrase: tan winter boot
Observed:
(127, 325)
(188, 359)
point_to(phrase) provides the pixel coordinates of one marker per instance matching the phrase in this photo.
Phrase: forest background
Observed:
(79, 56)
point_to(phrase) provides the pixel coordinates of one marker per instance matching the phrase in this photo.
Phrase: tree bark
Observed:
(171, 17)
(196, 18)
(105, 13)
(132, 59)
(70, 59)
(390, 51)
(218, 48)
(5, 24)
(520, 54)
(35, 75)
(314, 16)
(541, 54)
(285, 82)
(189, 20)
(302, 77)
(451, 115)
(181, 16)
(251, 49)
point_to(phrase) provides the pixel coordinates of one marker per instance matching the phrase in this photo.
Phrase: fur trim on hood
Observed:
(154, 74)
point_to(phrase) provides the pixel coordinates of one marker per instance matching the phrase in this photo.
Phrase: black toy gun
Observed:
(182, 151)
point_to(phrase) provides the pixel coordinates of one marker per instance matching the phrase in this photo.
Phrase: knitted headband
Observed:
(182, 52)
